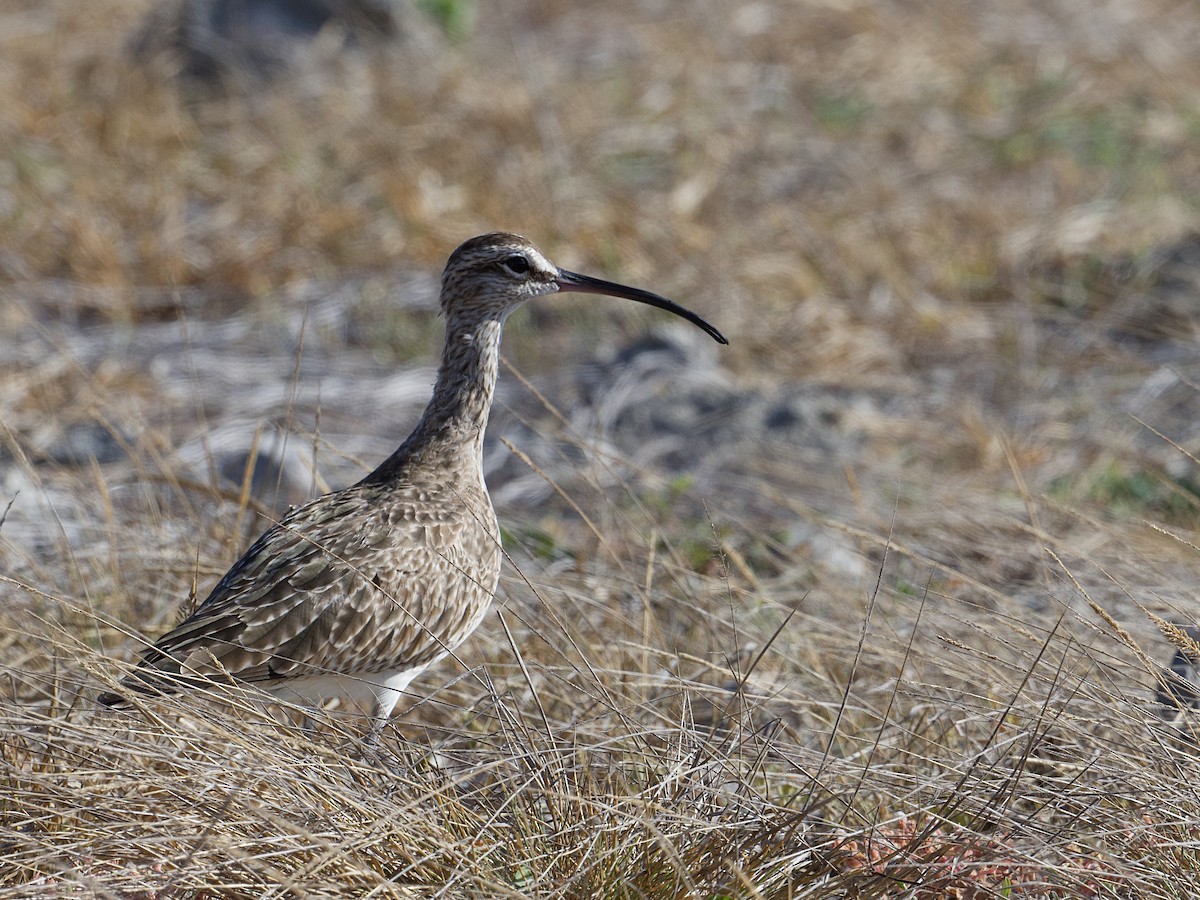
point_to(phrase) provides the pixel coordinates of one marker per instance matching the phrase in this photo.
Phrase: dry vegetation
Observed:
(923, 669)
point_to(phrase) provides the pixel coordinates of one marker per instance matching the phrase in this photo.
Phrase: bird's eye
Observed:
(517, 264)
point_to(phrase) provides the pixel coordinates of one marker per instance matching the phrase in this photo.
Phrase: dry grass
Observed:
(920, 668)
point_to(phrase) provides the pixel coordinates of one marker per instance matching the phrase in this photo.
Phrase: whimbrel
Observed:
(354, 593)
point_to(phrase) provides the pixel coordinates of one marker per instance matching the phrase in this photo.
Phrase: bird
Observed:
(355, 593)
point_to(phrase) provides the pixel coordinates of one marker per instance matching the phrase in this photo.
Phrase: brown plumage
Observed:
(354, 593)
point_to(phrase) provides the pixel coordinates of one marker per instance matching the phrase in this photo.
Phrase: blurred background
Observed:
(939, 493)
(953, 246)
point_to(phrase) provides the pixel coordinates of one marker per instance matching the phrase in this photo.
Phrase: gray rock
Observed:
(221, 40)
(83, 443)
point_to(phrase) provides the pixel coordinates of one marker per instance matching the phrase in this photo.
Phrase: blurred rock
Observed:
(219, 40)
(82, 443)
(275, 481)
(664, 404)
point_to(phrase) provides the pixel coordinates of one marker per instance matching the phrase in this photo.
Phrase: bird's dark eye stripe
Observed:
(517, 264)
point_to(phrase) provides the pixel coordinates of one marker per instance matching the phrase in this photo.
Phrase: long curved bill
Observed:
(570, 281)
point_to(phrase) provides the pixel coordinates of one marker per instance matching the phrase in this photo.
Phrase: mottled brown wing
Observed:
(366, 580)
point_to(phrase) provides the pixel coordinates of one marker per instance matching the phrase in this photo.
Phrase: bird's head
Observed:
(493, 274)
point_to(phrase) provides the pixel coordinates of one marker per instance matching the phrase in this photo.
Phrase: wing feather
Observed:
(366, 580)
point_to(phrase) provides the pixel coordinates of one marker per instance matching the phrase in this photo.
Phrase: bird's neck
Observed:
(451, 429)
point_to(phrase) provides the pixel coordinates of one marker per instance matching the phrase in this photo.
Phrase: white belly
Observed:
(380, 690)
